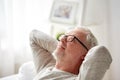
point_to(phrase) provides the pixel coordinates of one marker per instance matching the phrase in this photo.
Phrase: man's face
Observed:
(68, 50)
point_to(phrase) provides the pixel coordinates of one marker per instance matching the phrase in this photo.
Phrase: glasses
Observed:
(70, 38)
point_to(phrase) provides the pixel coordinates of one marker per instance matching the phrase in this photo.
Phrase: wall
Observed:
(115, 38)
(102, 17)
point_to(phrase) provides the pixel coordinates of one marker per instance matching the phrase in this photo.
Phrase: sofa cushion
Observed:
(27, 71)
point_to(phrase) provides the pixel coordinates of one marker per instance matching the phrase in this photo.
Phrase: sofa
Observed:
(26, 72)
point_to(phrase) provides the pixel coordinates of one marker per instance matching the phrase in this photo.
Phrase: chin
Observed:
(57, 54)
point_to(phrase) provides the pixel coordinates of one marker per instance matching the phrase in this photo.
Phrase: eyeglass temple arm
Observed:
(82, 44)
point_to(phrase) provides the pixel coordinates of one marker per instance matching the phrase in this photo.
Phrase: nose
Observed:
(63, 39)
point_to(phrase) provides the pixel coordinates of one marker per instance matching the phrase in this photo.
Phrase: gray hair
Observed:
(90, 38)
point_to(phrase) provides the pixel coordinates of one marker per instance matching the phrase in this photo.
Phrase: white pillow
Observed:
(96, 62)
(27, 71)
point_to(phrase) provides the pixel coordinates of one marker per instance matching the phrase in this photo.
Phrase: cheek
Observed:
(72, 48)
(74, 51)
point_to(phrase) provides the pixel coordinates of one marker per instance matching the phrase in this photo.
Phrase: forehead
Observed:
(80, 33)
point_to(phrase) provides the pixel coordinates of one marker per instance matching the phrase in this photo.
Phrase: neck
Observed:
(69, 67)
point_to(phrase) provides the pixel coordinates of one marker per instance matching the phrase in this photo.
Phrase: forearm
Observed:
(41, 47)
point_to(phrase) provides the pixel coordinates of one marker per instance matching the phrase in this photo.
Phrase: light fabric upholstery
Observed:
(12, 77)
(96, 62)
(27, 71)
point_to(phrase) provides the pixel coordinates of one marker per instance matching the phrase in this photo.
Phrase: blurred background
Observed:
(19, 17)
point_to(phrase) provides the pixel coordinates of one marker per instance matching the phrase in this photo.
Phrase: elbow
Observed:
(32, 37)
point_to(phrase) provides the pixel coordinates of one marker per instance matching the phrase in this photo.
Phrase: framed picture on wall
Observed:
(63, 12)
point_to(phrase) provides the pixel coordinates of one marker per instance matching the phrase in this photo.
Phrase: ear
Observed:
(83, 56)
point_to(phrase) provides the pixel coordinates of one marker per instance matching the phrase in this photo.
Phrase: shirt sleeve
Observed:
(42, 46)
(96, 63)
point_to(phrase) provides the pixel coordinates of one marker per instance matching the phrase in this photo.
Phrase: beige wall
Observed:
(102, 17)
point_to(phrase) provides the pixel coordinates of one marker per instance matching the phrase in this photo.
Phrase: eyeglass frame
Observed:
(74, 37)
